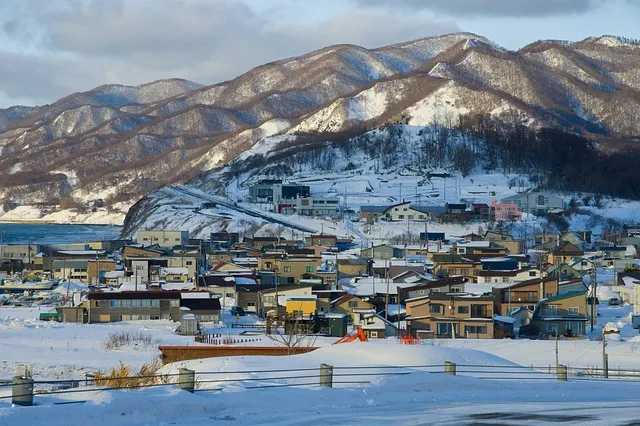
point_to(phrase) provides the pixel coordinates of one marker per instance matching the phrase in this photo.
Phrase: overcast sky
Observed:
(51, 48)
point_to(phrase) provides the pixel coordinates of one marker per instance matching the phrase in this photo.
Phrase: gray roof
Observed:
(373, 209)
(429, 209)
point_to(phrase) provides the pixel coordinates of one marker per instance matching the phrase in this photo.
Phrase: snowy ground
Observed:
(61, 351)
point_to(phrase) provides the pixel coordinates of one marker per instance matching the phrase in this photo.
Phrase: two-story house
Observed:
(351, 305)
(524, 294)
(451, 315)
(564, 252)
(565, 314)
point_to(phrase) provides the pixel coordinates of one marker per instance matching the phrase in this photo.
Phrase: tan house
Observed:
(323, 240)
(565, 314)
(291, 270)
(446, 265)
(268, 296)
(351, 306)
(450, 315)
(565, 252)
(524, 294)
(163, 238)
(85, 270)
(352, 267)
(503, 239)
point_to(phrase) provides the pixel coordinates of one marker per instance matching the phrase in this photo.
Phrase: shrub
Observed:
(122, 338)
(124, 377)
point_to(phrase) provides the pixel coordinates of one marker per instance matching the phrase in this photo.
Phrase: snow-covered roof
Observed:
(177, 286)
(114, 274)
(505, 319)
(178, 270)
(195, 295)
(81, 252)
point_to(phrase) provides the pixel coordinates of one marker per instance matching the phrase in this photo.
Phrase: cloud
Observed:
(497, 8)
(79, 44)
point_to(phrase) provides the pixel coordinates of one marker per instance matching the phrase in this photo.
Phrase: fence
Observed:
(24, 388)
(225, 339)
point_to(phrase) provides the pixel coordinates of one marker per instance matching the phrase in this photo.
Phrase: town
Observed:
(464, 286)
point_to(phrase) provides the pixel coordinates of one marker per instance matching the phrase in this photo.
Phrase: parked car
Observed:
(614, 301)
(237, 310)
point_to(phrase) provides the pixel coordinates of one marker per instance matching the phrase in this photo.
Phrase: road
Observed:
(250, 212)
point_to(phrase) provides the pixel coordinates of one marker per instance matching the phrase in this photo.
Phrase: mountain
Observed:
(114, 144)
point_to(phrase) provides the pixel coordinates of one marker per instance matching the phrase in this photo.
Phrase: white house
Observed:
(535, 202)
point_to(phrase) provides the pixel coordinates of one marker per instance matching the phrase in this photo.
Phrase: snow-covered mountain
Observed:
(118, 143)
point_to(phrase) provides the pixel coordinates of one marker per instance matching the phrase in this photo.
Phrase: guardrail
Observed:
(24, 388)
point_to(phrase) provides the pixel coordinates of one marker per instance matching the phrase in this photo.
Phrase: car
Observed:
(237, 310)
(614, 301)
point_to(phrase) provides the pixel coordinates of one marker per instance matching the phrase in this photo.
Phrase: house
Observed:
(538, 203)
(323, 240)
(372, 213)
(578, 239)
(352, 267)
(522, 316)
(564, 314)
(564, 272)
(291, 270)
(300, 307)
(481, 211)
(201, 305)
(512, 276)
(86, 270)
(524, 294)
(448, 285)
(565, 252)
(257, 243)
(375, 326)
(405, 211)
(482, 248)
(349, 304)
(505, 212)
(451, 315)
(382, 251)
(317, 206)
(224, 238)
(274, 191)
(162, 238)
(272, 297)
(130, 306)
(446, 265)
(572, 285)
(503, 239)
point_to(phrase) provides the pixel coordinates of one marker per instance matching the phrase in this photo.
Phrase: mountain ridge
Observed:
(139, 138)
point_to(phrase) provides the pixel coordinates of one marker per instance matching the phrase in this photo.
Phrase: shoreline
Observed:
(51, 222)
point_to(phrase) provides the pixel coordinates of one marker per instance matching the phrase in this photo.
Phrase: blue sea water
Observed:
(21, 233)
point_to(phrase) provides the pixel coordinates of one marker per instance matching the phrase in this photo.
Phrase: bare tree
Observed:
(292, 335)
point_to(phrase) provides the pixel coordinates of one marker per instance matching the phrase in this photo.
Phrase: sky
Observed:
(52, 48)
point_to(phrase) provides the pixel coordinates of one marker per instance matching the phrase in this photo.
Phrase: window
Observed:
(473, 329)
(353, 303)
(287, 269)
(401, 216)
(189, 262)
(552, 328)
(505, 279)
(309, 269)
(574, 311)
(251, 304)
(298, 313)
(479, 311)
(550, 310)
(374, 334)
(533, 273)
(173, 304)
(541, 200)
(463, 309)
(464, 271)
(434, 309)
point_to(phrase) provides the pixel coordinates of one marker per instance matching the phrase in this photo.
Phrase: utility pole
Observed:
(400, 194)
(594, 284)
(557, 360)
(373, 268)
(605, 357)
(386, 303)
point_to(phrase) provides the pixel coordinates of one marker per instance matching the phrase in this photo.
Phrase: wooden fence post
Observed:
(450, 368)
(561, 373)
(187, 379)
(326, 375)
(22, 391)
